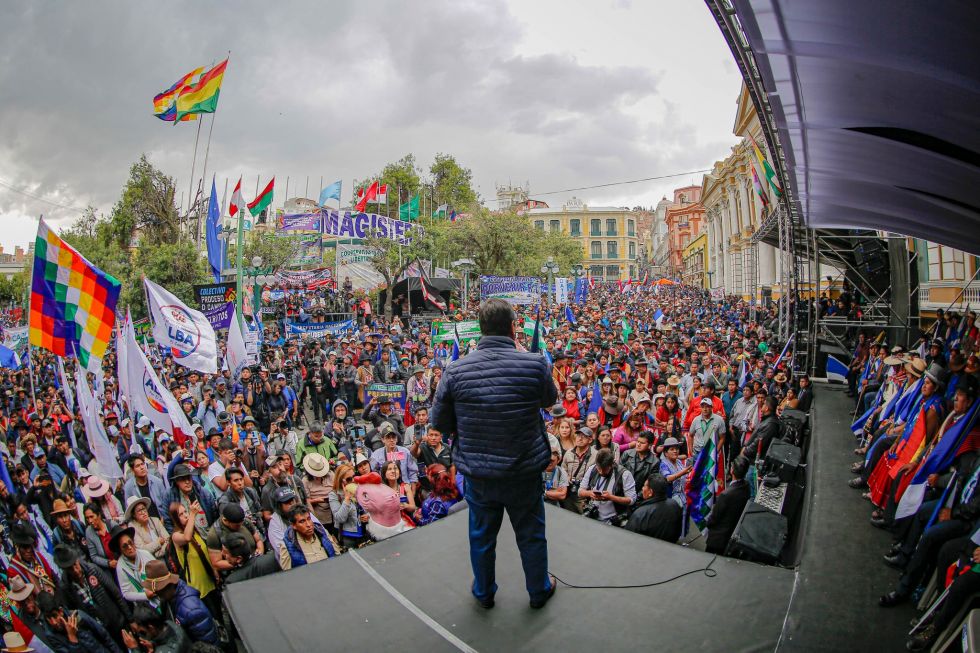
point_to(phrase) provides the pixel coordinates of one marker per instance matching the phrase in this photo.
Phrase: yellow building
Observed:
(694, 258)
(609, 236)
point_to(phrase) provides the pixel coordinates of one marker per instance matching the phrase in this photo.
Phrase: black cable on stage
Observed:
(707, 571)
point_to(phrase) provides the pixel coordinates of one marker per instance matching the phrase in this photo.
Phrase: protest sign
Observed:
(319, 329)
(211, 296)
(394, 391)
(220, 317)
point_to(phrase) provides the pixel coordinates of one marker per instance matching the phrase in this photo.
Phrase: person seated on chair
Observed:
(728, 508)
(655, 516)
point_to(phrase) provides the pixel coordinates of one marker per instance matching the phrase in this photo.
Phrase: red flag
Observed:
(370, 195)
(237, 201)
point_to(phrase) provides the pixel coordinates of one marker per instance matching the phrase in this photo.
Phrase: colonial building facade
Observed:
(734, 212)
(685, 222)
(609, 236)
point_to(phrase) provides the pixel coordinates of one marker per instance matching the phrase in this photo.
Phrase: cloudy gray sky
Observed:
(558, 93)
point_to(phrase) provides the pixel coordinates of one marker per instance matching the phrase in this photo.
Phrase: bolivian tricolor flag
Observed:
(202, 96)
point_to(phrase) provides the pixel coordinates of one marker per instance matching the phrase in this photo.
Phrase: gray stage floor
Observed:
(337, 605)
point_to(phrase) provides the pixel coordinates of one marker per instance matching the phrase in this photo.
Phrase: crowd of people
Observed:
(918, 451)
(297, 461)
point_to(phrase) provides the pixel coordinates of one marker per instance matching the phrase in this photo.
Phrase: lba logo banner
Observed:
(184, 332)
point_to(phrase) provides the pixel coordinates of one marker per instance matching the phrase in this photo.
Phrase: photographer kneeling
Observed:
(610, 488)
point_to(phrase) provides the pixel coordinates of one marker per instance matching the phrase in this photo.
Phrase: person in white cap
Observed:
(705, 426)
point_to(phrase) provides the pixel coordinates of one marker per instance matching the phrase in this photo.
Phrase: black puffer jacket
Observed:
(492, 400)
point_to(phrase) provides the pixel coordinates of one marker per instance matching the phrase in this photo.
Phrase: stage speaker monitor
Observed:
(783, 458)
(759, 536)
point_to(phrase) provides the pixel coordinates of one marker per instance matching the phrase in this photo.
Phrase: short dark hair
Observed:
(231, 471)
(497, 317)
(646, 435)
(135, 457)
(658, 485)
(297, 511)
(772, 402)
(226, 444)
(604, 459)
(145, 616)
(740, 466)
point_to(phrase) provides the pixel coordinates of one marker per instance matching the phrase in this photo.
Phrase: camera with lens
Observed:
(573, 487)
(591, 511)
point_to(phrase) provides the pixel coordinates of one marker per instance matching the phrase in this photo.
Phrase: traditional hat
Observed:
(158, 576)
(937, 374)
(65, 556)
(20, 589)
(22, 534)
(916, 368)
(59, 507)
(316, 465)
(14, 643)
(132, 502)
(117, 532)
(95, 487)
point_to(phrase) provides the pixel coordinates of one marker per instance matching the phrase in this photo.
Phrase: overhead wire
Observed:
(618, 183)
(10, 186)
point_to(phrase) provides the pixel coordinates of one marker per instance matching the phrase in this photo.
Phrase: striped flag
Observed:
(705, 482)
(939, 459)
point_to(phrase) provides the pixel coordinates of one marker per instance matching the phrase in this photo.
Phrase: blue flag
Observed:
(596, 402)
(938, 461)
(211, 237)
(658, 317)
(570, 316)
(331, 192)
(11, 361)
(743, 374)
(836, 370)
(454, 356)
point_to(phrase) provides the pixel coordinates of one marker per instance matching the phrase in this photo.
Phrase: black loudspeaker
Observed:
(782, 458)
(759, 536)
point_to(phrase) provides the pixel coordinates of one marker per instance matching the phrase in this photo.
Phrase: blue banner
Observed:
(516, 290)
(364, 225)
(319, 328)
(220, 317)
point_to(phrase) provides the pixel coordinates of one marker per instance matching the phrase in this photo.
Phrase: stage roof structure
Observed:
(873, 110)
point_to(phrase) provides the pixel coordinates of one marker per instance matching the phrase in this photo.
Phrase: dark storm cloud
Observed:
(333, 89)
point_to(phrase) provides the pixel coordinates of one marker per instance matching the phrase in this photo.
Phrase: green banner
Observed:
(144, 332)
(442, 331)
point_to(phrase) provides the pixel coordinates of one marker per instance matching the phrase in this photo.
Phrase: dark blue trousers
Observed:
(523, 499)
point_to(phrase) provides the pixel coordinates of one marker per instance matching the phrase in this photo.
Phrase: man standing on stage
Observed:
(492, 401)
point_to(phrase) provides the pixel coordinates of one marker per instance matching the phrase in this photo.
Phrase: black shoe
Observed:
(892, 599)
(856, 483)
(896, 547)
(922, 640)
(486, 604)
(896, 561)
(879, 523)
(537, 605)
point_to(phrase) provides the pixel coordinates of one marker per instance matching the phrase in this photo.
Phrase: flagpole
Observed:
(190, 186)
(204, 172)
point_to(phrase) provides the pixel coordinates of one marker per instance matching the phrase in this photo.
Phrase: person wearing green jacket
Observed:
(315, 441)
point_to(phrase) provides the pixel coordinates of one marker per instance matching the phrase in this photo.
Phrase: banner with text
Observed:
(298, 222)
(366, 225)
(307, 250)
(443, 331)
(211, 296)
(220, 317)
(319, 329)
(516, 290)
(354, 263)
(561, 290)
(393, 391)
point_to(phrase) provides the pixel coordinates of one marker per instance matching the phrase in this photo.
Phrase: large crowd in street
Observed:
(296, 461)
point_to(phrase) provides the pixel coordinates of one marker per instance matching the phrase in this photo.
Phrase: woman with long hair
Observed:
(189, 553)
(565, 432)
(391, 475)
(348, 517)
(572, 405)
(604, 440)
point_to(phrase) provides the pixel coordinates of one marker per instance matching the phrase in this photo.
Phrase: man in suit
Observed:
(728, 508)
(655, 516)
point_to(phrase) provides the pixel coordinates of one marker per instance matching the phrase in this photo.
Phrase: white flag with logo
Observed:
(184, 332)
(98, 441)
(236, 353)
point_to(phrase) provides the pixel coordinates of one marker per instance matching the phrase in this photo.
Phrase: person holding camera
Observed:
(555, 480)
(576, 462)
(229, 457)
(610, 488)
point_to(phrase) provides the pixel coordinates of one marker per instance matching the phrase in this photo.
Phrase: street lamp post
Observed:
(551, 269)
(465, 265)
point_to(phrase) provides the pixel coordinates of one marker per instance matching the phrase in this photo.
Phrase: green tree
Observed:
(404, 179)
(452, 184)
(505, 243)
(141, 236)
